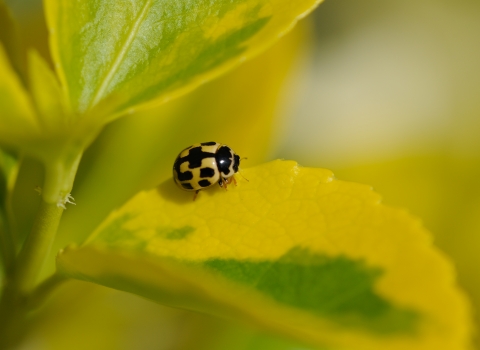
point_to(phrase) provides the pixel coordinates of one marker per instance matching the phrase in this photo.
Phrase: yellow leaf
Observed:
(47, 95)
(293, 251)
(18, 122)
(10, 39)
(443, 189)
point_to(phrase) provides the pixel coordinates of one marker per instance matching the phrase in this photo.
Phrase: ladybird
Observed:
(204, 164)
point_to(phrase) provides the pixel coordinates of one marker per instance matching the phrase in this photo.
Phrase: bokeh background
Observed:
(385, 93)
(389, 95)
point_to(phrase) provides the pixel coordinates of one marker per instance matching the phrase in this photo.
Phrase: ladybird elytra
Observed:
(203, 164)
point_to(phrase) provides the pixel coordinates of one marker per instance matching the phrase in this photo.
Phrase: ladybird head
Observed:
(227, 161)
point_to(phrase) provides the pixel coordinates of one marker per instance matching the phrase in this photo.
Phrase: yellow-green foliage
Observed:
(289, 258)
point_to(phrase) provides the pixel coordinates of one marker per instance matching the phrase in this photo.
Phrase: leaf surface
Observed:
(293, 251)
(47, 95)
(17, 117)
(10, 39)
(114, 55)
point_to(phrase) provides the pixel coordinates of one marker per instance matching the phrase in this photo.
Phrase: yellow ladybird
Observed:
(204, 164)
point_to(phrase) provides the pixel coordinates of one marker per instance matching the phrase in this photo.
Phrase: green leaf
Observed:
(293, 251)
(10, 39)
(115, 55)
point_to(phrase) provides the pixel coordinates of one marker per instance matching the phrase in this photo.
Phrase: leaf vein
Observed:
(121, 54)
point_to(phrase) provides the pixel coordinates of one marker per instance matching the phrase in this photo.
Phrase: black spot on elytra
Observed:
(185, 176)
(195, 157)
(211, 143)
(204, 183)
(207, 172)
(224, 159)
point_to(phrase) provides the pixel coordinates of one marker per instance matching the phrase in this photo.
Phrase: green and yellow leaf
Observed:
(293, 251)
(115, 55)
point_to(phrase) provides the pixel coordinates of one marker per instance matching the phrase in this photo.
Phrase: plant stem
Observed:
(37, 247)
(20, 286)
(12, 318)
(44, 290)
(7, 221)
(7, 247)
(21, 292)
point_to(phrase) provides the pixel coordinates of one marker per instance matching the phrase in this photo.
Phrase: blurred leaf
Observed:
(293, 251)
(47, 95)
(120, 54)
(26, 132)
(17, 117)
(85, 315)
(10, 39)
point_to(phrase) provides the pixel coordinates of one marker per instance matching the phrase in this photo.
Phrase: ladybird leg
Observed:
(195, 195)
(231, 179)
(226, 182)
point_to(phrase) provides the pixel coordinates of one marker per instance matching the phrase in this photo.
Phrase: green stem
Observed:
(20, 291)
(15, 308)
(13, 317)
(37, 247)
(7, 221)
(44, 290)
(7, 247)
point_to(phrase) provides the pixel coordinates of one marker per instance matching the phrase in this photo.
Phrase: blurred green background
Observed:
(385, 93)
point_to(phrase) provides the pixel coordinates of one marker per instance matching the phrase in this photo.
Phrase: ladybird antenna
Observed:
(242, 174)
